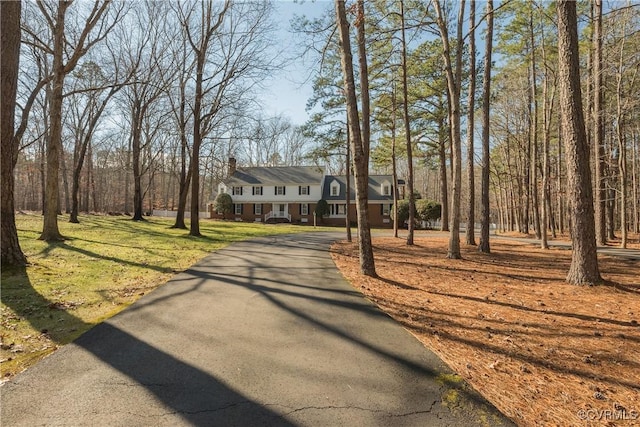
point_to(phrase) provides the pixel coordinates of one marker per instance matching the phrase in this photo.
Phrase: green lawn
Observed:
(105, 264)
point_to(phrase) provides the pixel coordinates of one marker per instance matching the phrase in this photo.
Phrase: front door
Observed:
(281, 209)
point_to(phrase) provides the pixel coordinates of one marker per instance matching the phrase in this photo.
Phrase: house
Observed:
(380, 197)
(291, 193)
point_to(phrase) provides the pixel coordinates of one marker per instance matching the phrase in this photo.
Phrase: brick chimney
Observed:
(232, 166)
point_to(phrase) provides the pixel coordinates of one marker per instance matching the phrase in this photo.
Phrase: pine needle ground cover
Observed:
(546, 353)
(105, 264)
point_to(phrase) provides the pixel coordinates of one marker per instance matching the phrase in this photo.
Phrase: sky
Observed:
(287, 93)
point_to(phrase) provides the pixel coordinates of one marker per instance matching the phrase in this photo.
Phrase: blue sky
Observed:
(287, 93)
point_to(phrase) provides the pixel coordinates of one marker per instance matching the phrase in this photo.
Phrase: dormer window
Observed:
(385, 188)
(335, 189)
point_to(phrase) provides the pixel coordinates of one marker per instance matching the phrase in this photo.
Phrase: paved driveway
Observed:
(264, 332)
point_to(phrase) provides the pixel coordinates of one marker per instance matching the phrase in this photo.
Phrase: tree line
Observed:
(557, 106)
(123, 107)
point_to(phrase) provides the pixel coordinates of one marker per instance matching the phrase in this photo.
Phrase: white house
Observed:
(291, 193)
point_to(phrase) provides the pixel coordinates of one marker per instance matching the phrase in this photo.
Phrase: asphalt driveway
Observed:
(262, 333)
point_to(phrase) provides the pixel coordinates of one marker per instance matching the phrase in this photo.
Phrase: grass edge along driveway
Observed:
(105, 264)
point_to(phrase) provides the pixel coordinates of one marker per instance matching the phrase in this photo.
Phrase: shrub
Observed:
(223, 204)
(428, 210)
(403, 212)
(322, 209)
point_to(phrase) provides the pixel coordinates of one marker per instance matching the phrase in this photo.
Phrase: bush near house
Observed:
(223, 204)
(426, 210)
(322, 209)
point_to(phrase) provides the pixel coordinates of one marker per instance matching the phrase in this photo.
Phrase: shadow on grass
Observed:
(63, 245)
(194, 395)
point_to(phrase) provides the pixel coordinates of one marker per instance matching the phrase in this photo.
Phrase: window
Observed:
(304, 209)
(280, 190)
(335, 190)
(236, 191)
(386, 189)
(386, 209)
(237, 208)
(303, 190)
(338, 209)
(257, 191)
(257, 208)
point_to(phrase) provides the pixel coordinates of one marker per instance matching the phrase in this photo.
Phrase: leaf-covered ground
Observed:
(546, 353)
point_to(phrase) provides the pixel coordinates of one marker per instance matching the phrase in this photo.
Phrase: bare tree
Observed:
(584, 261)
(228, 42)
(65, 61)
(12, 254)
(91, 85)
(367, 264)
(147, 64)
(182, 116)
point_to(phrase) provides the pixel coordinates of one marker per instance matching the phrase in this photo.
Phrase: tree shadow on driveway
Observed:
(51, 390)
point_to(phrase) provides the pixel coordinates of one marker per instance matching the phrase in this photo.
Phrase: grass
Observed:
(104, 265)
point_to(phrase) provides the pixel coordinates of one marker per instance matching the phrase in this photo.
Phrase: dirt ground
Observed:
(546, 353)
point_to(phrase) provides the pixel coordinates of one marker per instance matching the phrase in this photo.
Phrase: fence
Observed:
(173, 214)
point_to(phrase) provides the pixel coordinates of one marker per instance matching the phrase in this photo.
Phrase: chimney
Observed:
(232, 166)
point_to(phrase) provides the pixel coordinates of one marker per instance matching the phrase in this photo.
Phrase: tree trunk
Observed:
(622, 165)
(42, 172)
(485, 220)
(584, 261)
(453, 93)
(194, 229)
(394, 166)
(547, 107)
(634, 180)
(533, 115)
(185, 177)
(50, 231)
(12, 254)
(611, 191)
(347, 195)
(136, 136)
(444, 187)
(598, 131)
(367, 264)
(407, 132)
(364, 79)
(471, 208)
(127, 168)
(80, 157)
(622, 148)
(560, 186)
(65, 185)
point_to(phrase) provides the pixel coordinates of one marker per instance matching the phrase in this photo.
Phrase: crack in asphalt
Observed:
(386, 413)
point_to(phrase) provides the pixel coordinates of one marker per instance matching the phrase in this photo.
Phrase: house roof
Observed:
(276, 175)
(375, 184)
